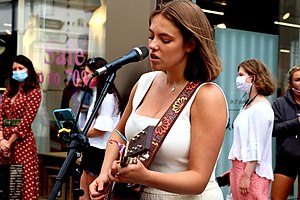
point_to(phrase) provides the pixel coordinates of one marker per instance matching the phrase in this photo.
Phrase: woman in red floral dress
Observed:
(20, 103)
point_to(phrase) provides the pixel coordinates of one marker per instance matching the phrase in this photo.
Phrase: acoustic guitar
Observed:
(138, 146)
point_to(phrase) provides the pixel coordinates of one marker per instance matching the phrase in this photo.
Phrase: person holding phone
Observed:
(20, 103)
(104, 123)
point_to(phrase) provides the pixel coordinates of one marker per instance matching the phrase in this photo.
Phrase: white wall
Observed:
(126, 28)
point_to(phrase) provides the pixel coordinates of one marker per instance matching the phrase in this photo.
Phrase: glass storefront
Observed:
(55, 36)
(58, 36)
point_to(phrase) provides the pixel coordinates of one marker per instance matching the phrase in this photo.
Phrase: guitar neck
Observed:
(108, 188)
(136, 147)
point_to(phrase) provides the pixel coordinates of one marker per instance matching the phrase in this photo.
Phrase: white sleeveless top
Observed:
(173, 155)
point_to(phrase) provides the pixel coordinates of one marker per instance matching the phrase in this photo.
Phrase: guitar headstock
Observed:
(138, 145)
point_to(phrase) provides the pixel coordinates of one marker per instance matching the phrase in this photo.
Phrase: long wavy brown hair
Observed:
(203, 62)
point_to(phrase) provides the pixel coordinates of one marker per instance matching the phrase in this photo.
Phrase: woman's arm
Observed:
(30, 112)
(209, 116)
(4, 96)
(7, 143)
(245, 181)
(31, 109)
(3, 143)
(2, 139)
(112, 150)
(208, 125)
(92, 132)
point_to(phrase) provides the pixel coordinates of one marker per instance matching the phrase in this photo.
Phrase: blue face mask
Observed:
(20, 75)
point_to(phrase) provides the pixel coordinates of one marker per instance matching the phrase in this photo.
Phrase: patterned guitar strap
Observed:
(162, 128)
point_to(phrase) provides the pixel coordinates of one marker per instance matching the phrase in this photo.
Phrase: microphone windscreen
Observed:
(145, 52)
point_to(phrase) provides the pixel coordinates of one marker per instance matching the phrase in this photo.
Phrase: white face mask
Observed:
(242, 85)
(296, 92)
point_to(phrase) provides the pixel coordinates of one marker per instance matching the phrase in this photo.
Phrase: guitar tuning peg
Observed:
(140, 146)
(146, 156)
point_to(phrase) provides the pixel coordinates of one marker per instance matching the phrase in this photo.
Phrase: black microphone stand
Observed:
(79, 142)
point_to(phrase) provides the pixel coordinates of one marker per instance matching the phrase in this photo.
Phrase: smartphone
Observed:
(65, 118)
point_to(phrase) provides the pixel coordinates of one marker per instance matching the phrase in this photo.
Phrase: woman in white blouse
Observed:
(251, 151)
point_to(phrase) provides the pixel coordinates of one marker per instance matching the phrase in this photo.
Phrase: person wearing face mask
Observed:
(251, 152)
(105, 121)
(286, 130)
(20, 103)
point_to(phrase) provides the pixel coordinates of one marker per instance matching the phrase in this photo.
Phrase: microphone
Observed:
(135, 55)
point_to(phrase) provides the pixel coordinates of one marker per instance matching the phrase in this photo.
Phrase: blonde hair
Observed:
(290, 76)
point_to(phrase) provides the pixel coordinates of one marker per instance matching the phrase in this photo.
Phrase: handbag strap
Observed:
(167, 120)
